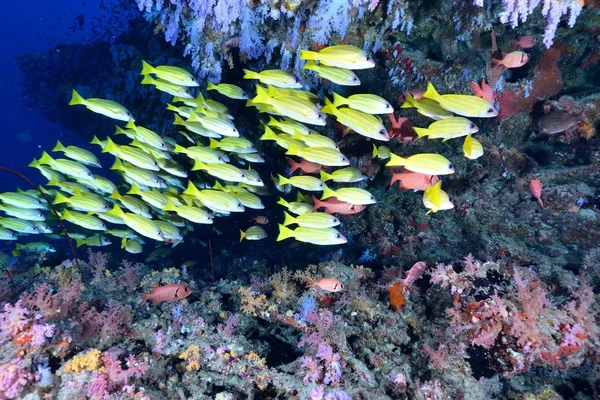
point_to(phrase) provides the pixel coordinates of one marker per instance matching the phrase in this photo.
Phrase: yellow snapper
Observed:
(196, 127)
(435, 199)
(19, 225)
(77, 154)
(382, 152)
(135, 156)
(27, 214)
(340, 76)
(67, 167)
(472, 148)
(251, 157)
(200, 153)
(305, 182)
(227, 172)
(109, 108)
(254, 178)
(282, 140)
(142, 225)
(275, 77)
(355, 196)
(172, 167)
(85, 221)
(170, 231)
(7, 234)
(315, 139)
(147, 136)
(367, 103)
(94, 241)
(193, 214)
(167, 87)
(425, 163)
(133, 204)
(99, 184)
(152, 197)
(448, 128)
(255, 232)
(221, 125)
(131, 246)
(49, 173)
(301, 94)
(289, 126)
(229, 90)
(139, 175)
(216, 200)
(341, 56)
(33, 247)
(83, 202)
(321, 237)
(22, 200)
(321, 155)
(362, 123)
(344, 175)
(427, 107)
(176, 75)
(317, 220)
(295, 108)
(295, 207)
(233, 145)
(462, 104)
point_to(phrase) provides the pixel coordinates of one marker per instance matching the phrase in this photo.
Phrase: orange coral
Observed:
(397, 299)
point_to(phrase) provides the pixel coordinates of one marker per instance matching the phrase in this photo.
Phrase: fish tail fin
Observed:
(171, 107)
(79, 242)
(293, 165)
(269, 134)
(242, 235)
(170, 206)
(97, 141)
(272, 121)
(210, 86)
(194, 117)
(282, 180)
(284, 233)
(179, 149)
(409, 102)
(327, 192)
(431, 93)
(310, 283)
(435, 194)
(178, 120)
(148, 80)
(250, 74)
(421, 132)
(288, 219)
(317, 203)
(45, 158)
(123, 242)
(130, 124)
(339, 100)
(118, 131)
(115, 195)
(110, 146)
(309, 55)
(34, 164)
(116, 211)
(325, 176)
(147, 68)
(59, 146)
(76, 98)
(60, 199)
(395, 161)
(118, 165)
(375, 152)
(310, 64)
(145, 297)
(198, 165)
(66, 214)
(283, 202)
(328, 108)
(261, 95)
(475, 87)
(293, 150)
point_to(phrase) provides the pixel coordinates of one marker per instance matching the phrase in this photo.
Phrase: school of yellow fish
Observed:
(162, 200)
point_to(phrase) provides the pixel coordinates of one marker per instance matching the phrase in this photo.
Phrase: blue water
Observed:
(35, 27)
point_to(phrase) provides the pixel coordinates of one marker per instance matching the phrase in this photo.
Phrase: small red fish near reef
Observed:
(556, 122)
(413, 180)
(484, 91)
(515, 59)
(170, 292)
(524, 42)
(535, 186)
(307, 167)
(330, 285)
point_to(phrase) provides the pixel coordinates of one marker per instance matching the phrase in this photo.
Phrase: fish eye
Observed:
(382, 131)
(239, 205)
(319, 115)
(490, 110)
(243, 176)
(354, 79)
(451, 166)
(339, 236)
(472, 125)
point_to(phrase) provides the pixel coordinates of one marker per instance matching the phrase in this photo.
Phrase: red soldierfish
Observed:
(485, 91)
(170, 292)
(515, 59)
(524, 42)
(556, 122)
(414, 273)
(413, 180)
(307, 167)
(536, 190)
(333, 205)
(330, 285)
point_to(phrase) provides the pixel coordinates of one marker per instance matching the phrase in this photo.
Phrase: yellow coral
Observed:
(192, 351)
(90, 361)
(255, 359)
(193, 365)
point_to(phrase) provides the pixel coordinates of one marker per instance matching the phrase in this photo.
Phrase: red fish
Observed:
(524, 42)
(307, 167)
(416, 93)
(515, 59)
(402, 128)
(170, 292)
(355, 209)
(414, 273)
(485, 91)
(413, 180)
(330, 285)
(332, 205)
(260, 219)
(535, 186)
